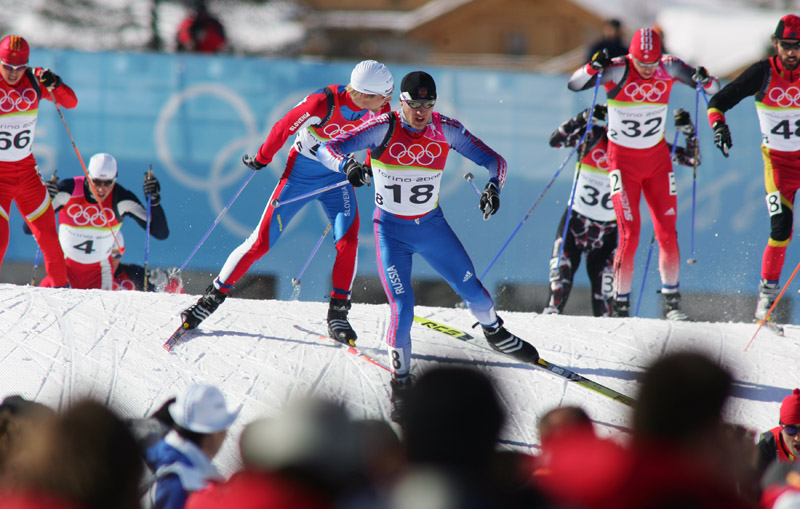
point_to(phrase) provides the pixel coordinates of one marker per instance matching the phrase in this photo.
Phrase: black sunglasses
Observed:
(789, 45)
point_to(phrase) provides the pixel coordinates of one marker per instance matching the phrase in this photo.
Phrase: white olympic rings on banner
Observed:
(646, 91)
(784, 98)
(14, 100)
(422, 155)
(91, 215)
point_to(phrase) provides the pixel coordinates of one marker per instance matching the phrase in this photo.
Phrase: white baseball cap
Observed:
(103, 166)
(201, 408)
(371, 77)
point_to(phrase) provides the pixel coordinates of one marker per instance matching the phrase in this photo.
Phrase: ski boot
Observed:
(670, 307)
(621, 308)
(201, 310)
(503, 341)
(338, 326)
(400, 389)
(767, 293)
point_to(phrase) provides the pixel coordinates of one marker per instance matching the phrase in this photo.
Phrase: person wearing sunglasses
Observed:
(85, 226)
(21, 89)
(314, 120)
(774, 83)
(409, 148)
(781, 443)
(638, 87)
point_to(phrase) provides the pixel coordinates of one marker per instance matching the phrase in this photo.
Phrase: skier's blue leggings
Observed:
(397, 240)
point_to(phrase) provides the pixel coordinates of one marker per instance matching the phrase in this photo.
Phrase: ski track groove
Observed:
(68, 380)
(17, 324)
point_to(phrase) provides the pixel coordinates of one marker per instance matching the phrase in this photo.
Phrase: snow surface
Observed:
(61, 345)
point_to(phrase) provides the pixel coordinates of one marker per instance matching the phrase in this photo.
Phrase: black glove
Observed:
(153, 188)
(490, 200)
(357, 173)
(600, 60)
(701, 76)
(600, 112)
(251, 162)
(687, 156)
(683, 122)
(52, 187)
(49, 79)
(722, 137)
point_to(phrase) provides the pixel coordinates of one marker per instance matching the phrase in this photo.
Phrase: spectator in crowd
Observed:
(781, 486)
(781, 443)
(611, 41)
(451, 431)
(18, 416)
(181, 461)
(678, 419)
(84, 458)
(201, 32)
(304, 458)
(20, 181)
(680, 454)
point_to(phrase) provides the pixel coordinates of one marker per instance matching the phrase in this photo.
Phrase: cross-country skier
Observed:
(316, 119)
(638, 86)
(21, 89)
(592, 225)
(409, 148)
(775, 83)
(85, 226)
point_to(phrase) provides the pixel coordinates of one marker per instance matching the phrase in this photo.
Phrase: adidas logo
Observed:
(467, 276)
(670, 212)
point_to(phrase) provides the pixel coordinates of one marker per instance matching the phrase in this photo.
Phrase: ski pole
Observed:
(35, 265)
(653, 238)
(147, 232)
(530, 211)
(582, 144)
(53, 178)
(646, 269)
(277, 203)
(692, 260)
(469, 178)
(541, 195)
(296, 280)
(769, 313)
(219, 217)
(92, 187)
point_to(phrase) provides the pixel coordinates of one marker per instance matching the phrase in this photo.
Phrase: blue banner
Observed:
(192, 117)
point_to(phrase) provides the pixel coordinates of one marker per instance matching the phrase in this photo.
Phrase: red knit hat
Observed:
(790, 408)
(646, 46)
(788, 27)
(14, 50)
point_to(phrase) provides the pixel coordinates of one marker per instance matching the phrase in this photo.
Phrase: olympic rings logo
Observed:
(600, 159)
(784, 98)
(332, 130)
(15, 100)
(416, 153)
(646, 91)
(91, 215)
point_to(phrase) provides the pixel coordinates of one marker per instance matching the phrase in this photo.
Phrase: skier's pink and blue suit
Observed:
(407, 169)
